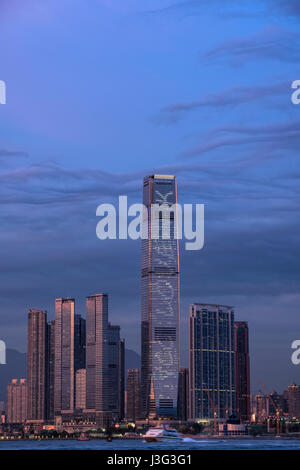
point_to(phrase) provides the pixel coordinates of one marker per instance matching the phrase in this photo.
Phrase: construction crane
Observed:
(275, 408)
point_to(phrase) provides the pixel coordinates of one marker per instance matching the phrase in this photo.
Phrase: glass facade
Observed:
(114, 344)
(64, 367)
(160, 301)
(211, 361)
(242, 370)
(37, 373)
(50, 369)
(97, 353)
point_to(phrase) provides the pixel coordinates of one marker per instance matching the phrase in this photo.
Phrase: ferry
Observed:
(162, 433)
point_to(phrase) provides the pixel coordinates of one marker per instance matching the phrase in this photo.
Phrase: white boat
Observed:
(162, 433)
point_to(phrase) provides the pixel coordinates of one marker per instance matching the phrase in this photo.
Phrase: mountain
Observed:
(16, 367)
(132, 360)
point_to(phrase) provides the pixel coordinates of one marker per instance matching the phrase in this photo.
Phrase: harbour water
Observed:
(133, 444)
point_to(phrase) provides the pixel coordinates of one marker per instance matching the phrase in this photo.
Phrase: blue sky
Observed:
(101, 93)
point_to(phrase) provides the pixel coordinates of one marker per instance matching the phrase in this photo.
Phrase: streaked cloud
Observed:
(271, 43)
(229, 97)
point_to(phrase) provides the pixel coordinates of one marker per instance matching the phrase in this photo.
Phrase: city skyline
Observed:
(219, 360)
(155, 92)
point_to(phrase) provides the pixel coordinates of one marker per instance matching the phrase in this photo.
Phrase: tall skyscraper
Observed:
(160, 301)
(16, 405)
(36, 362)
(122, 379)
(183, 394)
(114, 369)
(97, 356)
(133, 394)
(50, 370)
(64, 366)
(242, 370)
(211, 361)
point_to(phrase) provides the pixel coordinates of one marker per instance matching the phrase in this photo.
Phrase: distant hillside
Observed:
(16, 367)
(132, 359)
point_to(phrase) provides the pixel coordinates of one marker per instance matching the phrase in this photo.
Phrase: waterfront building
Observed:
(16, 404)
(133, 395)
(211, 361)
(36, 365)
(242, 370)
(160, 299)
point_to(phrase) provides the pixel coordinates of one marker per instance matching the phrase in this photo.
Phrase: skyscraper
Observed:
(114, 369)
(242, 370)
(122, 379)
(50, 370)
(64, 367)
(36, 363)
(211, 361)
(97, 356)
(133, 394)
(160, 300)
(16, 406)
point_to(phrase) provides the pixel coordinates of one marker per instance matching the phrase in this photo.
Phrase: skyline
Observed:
(182, 340)
(116, 91)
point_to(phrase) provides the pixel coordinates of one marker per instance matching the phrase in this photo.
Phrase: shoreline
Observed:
(134, 438)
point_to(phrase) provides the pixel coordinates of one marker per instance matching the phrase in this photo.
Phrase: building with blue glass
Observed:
(160, 299)
(211, 361)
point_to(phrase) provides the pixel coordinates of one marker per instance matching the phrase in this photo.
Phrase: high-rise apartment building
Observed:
(122, 379)
(50, 370)
(16, 405)
(36, 365)
(114, 370)
(133, 395)
(242, 370)
(97, 356)
(64, 364)
(211, 361)
(160, 299)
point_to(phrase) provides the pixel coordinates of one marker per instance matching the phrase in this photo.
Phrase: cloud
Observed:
(279, 136)
(233, 8)
(289, 7)
(9, 154)
(199, 7)
(229, 97)
(272, 43)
